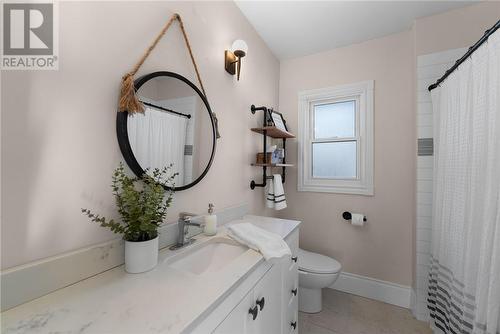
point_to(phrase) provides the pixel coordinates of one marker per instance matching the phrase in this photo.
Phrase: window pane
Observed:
(335, 160)
(335, 120)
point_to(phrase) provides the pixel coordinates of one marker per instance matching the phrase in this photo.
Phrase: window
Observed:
(336, 139)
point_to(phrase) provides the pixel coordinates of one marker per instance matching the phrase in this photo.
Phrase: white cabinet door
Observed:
(239, 321)
(267, 296)
(290, 279)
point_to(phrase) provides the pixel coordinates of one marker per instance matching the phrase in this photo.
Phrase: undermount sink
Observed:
(208, 257)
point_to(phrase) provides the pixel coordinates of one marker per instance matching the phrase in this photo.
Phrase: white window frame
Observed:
(362, 93)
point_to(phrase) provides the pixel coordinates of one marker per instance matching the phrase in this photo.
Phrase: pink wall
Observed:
(385, 247)
(382, 248)
(58, 127)
(59, 144)
(455, 29)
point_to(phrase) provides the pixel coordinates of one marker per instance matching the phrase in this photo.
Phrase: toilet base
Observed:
(310, 300)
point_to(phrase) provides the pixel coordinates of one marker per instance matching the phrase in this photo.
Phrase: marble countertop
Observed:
(163, 300)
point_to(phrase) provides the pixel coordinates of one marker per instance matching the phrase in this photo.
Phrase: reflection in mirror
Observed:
(176, 128)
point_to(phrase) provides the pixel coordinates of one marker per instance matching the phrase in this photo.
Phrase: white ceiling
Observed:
(298, 28)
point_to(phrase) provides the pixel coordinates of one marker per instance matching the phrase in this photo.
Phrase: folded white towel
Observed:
(275, 195)
(269, 244)
(269, 193)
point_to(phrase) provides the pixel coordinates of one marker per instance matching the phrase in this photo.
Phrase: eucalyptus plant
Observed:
(142, 203)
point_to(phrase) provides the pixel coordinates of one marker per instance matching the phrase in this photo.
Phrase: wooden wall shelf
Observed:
(273, 132)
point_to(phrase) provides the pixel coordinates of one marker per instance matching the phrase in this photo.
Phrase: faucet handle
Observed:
(186, 215)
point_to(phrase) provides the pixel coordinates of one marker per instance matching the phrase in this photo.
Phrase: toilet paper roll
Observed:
(357, 219)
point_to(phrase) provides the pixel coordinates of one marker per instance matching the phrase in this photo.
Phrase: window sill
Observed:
(364, 191)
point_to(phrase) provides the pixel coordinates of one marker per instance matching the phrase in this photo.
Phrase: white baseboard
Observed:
(413, 302)
(24, 283)
(372, 288)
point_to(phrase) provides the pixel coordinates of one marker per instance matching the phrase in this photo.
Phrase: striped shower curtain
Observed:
(464, 277)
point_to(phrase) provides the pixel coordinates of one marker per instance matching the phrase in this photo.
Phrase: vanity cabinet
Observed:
(212, 286)
(260, 309)
(239, 320)
(266, 302)
(268, 298)
(290, 287)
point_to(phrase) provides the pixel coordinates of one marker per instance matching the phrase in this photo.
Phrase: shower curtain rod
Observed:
(165, 109)
(471, 50)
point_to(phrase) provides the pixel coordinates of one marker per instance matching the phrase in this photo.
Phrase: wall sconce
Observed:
(233, 57)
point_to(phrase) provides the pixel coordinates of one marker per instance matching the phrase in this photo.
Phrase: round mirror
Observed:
(176, 128)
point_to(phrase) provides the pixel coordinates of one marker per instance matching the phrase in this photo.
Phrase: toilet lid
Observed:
(317, 263)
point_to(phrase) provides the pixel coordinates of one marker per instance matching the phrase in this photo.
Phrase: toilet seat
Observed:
(316, 263)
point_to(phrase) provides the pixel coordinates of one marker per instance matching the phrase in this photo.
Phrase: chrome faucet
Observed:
(185, 220)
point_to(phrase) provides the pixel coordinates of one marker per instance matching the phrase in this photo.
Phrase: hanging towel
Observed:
(275, 195)
(269, 244)
(269, 193)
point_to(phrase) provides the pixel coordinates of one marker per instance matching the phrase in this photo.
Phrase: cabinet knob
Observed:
(294, 292)
(261, 303)
(295, 258)
(254, 311)
(294, 324)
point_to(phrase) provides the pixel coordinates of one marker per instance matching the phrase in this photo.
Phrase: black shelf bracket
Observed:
(253, 109)
(266, 177)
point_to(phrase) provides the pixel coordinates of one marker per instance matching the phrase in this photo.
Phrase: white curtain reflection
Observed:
(157, 139)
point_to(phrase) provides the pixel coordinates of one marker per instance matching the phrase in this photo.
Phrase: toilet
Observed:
(316, 272)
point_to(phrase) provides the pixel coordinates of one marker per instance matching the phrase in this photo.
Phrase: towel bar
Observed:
(253, 184)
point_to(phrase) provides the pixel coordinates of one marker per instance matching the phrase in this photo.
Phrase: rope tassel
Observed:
(128, 99)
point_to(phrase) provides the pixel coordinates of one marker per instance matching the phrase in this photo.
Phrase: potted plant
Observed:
(142, 204)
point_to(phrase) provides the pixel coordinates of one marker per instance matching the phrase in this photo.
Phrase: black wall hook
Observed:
(348, 216)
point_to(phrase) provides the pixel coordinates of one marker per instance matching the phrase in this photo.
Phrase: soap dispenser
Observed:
(210, 221)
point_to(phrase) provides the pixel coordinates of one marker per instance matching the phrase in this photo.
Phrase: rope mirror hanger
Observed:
(128, 99)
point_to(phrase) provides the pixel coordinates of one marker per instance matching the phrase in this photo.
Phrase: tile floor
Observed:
(344, 313)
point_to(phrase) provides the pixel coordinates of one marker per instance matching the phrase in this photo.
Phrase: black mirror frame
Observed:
(122, 132)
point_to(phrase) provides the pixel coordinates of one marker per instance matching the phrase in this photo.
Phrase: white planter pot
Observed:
(141, 256)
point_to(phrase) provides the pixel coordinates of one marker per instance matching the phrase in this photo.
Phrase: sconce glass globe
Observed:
(239, 48)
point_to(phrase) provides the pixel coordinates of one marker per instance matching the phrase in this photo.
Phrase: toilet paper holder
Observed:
(348, 216)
